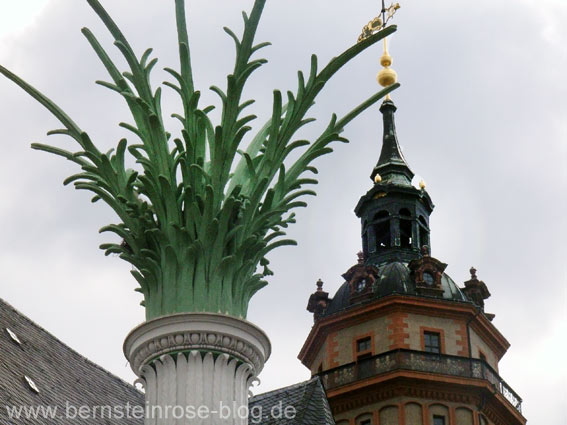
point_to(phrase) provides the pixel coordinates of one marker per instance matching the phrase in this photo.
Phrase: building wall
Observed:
(478, 346)
(339, 347)
(453, 341)
(320, 360)
(400, 330)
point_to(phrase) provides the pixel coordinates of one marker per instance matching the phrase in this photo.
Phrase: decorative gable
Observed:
(427, 273)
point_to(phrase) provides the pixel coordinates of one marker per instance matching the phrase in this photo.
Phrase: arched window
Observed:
(381, 226)
(464, 416)
(405, 228)
(414, 415)
(380, 215)
(439, 414)
(389, 415)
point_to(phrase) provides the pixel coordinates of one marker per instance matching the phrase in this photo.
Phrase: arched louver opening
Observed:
(405, 228)
(382, 232)
(423, 232)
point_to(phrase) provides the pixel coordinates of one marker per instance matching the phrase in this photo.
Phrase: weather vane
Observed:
(387, 76)
(380, 21)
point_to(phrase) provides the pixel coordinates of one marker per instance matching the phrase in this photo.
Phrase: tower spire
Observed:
(392, 166)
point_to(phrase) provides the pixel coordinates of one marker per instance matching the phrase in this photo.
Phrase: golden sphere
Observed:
(422, 184)
(377, 178)
(386, 77)
(386, 60)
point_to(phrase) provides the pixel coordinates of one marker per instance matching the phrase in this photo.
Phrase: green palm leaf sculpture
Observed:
(201, 212)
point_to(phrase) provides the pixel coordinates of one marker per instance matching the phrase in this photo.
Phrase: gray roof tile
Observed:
(308, 400)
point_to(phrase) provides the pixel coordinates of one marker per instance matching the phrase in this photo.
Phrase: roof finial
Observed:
(387, 76)
(473, 273)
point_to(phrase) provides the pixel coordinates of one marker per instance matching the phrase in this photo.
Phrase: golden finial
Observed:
(377, 178)
(387, 76)
(422, 185)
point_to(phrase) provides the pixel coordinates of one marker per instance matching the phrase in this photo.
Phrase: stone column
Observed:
(197, 368)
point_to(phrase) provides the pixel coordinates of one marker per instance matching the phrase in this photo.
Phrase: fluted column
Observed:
(197, 368)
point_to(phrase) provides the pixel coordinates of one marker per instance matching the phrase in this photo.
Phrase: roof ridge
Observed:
(279, 390)
(307, 397)
(82, 357)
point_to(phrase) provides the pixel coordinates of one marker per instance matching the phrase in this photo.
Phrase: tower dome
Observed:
(394, 278)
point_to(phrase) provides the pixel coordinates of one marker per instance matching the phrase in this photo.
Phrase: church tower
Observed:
(401, 343)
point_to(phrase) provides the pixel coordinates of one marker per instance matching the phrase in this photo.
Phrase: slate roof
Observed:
(307, 398)
(60, 374)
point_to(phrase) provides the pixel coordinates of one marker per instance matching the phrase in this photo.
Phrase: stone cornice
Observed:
(206, 332)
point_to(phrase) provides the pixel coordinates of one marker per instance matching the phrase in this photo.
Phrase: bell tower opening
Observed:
(423, 232)
(406, 229)
(381, 229)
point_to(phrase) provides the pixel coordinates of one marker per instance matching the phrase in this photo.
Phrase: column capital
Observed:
(205, 332)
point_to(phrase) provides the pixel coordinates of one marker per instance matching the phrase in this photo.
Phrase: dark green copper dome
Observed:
(394, 278)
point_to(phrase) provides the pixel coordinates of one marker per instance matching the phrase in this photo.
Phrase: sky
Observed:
(482, 118)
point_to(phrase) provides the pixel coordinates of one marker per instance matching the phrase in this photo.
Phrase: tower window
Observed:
(432, 342)
(363, 344)
(428, 278)
(363, 348)
(365, 422)
(438, 420)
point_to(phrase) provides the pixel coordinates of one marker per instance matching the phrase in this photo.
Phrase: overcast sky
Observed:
(482, 117)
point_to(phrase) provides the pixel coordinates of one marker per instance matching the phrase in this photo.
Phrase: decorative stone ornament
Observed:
(427, 273)
(197, 360)
(477, 291)
(318, 301)
(361, 279)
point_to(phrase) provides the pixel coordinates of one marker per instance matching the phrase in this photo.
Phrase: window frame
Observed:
(432, 342)
(440, 332)
(361, 355)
